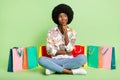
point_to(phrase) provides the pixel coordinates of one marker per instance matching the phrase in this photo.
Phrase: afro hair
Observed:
(62, 8)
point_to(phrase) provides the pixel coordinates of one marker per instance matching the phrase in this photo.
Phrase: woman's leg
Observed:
(74, 63)
(71, 63)
(54, 64)
(50, 64)
(63, 65)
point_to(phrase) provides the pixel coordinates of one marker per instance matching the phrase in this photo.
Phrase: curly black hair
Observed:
(62, 8)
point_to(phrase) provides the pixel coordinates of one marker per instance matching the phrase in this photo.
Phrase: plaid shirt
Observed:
(55, 41)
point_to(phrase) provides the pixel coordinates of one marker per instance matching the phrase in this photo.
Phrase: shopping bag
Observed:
(15, 59)
(106, 56)
(77, 50)
(44, 52)
(113, 62)
(32, 57)
(85, 53)
(10, 62)
(39, 55)
(40, 52)
(100, 61)
(25, 59)
(92, 56)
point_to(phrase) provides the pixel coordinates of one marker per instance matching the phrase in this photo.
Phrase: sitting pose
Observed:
(60, 43)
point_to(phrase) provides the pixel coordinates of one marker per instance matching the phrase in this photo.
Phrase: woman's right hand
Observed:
(69, 53)
(61, 52)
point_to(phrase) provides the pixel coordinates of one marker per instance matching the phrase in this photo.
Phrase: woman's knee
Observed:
(82, 58)
(41, 60)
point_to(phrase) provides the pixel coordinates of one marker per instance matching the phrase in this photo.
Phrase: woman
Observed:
(60, 43)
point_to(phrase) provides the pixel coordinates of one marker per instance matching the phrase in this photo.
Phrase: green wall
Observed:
(25, 23)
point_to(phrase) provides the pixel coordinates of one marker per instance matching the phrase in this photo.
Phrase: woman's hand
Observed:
(69, 53)
(64, 28)
(63, 52)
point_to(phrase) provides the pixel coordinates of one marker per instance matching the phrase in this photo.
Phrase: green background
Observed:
(25, 23)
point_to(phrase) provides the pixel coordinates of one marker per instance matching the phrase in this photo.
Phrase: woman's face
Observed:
(62, 18)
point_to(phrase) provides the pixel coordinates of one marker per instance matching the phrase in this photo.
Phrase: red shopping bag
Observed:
(44, 52)
(77, 50)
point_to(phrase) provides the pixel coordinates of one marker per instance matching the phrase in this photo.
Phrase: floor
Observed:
(38, 74)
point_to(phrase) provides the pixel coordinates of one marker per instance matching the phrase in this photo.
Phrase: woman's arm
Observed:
(51, 49)
(64, 28)
(63, 52)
